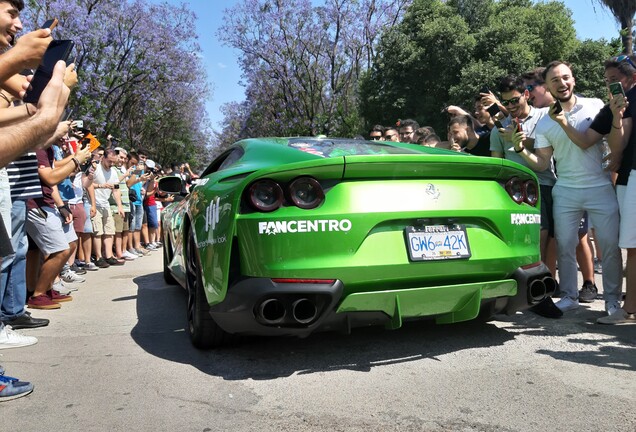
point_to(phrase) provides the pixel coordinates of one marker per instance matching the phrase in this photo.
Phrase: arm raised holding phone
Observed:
(36, 131)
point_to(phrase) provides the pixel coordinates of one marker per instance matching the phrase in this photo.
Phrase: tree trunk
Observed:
(626, 36)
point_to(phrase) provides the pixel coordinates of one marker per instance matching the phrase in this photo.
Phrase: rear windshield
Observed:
(342, 147)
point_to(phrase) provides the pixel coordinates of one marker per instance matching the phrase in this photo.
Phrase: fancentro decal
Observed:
(525, 219)
(304, 226)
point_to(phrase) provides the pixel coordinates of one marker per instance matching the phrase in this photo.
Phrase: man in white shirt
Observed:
(106, 183)
(582, 185)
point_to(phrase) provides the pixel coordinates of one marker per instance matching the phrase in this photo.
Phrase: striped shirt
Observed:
(24, 180)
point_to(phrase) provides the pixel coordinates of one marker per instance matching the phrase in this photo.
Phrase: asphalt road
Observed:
(118, 358)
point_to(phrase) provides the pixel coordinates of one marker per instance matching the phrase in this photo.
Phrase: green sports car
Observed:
(287, 236)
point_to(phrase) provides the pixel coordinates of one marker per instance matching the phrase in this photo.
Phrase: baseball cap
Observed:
(150, 164)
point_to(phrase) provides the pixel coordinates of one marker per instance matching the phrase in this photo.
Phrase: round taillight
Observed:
(515, 189)
(532, 192)
(306, 193)
(265, 195)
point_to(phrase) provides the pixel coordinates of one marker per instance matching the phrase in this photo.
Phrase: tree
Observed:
(301, 64)
(132, 82)
(623, 11)
(444, 52)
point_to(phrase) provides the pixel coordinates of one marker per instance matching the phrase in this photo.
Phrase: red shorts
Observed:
(79, 216)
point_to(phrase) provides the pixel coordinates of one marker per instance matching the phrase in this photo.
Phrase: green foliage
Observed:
(587, 66)
(444, 52)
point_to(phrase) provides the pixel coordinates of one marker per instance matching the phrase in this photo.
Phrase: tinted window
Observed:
(334, 148)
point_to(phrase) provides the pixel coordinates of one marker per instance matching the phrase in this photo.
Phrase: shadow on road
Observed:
(614, 347)
(161, 332)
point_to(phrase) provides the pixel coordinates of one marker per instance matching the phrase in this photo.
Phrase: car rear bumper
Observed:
(260, 306)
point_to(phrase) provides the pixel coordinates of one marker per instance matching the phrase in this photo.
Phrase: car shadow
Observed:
(161, 331)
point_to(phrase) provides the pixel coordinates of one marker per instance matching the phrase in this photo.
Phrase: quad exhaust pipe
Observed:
(539, 289)
(273, 311)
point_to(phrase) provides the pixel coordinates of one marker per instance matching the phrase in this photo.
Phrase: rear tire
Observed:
(204, 332)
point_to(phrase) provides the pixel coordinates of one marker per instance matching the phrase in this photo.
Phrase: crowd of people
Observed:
(68, 204)
(582, 151)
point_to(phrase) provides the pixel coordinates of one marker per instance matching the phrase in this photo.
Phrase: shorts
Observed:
(627, 233)
(151, 214)
(103, 222)
(136, 217)
(547, 217)
(79, 217)
(121, 224)
(48, 231)
(88, 224)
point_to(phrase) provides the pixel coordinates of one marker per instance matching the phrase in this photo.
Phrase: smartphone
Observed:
(68, 114)
(493, 110)
(79, 124)
(557, 107)
(57, 50)
(616, 88)
(50, 24)
(517, 125)
(484, 89)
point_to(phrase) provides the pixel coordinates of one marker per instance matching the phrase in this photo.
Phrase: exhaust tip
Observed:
(272, 311)
(550, 285)
(536, 291)
(304, 311)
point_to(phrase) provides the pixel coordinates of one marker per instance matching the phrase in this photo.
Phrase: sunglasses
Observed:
(506, 102)
(376, 138)
(531, 87)
(622, 58)
(390, 135)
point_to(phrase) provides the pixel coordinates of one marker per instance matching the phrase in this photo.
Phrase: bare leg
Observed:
(108, 246)
(50, 269)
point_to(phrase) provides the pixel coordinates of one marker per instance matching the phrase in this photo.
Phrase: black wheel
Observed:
(204, 332)
(167, 275)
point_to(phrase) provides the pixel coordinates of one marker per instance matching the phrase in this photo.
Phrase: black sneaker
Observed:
(588, 292)
(77, 269)
(101, 263)
(26, 321)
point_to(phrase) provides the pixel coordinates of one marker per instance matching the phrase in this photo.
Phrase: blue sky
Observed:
(591, 22)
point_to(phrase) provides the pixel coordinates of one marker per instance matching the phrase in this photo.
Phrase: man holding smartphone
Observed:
(582, 185)
(34, 131)
(106, 178)
(523, 118)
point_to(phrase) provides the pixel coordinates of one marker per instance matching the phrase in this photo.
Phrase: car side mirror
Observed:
(172, 185)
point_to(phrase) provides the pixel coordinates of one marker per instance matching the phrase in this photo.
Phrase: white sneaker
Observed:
(91, 267)
(612, 306)
(71, 277)
(151, 247)
(620, 316)
(62, 289)
(567, 304)
(128, 256)
(10, 338)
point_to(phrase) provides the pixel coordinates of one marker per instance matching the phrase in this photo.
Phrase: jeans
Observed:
(13, 281)
(136, 217)
(602, 209)
(5, 199)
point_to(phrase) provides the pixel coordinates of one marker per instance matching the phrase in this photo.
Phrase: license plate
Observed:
(437, 242)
